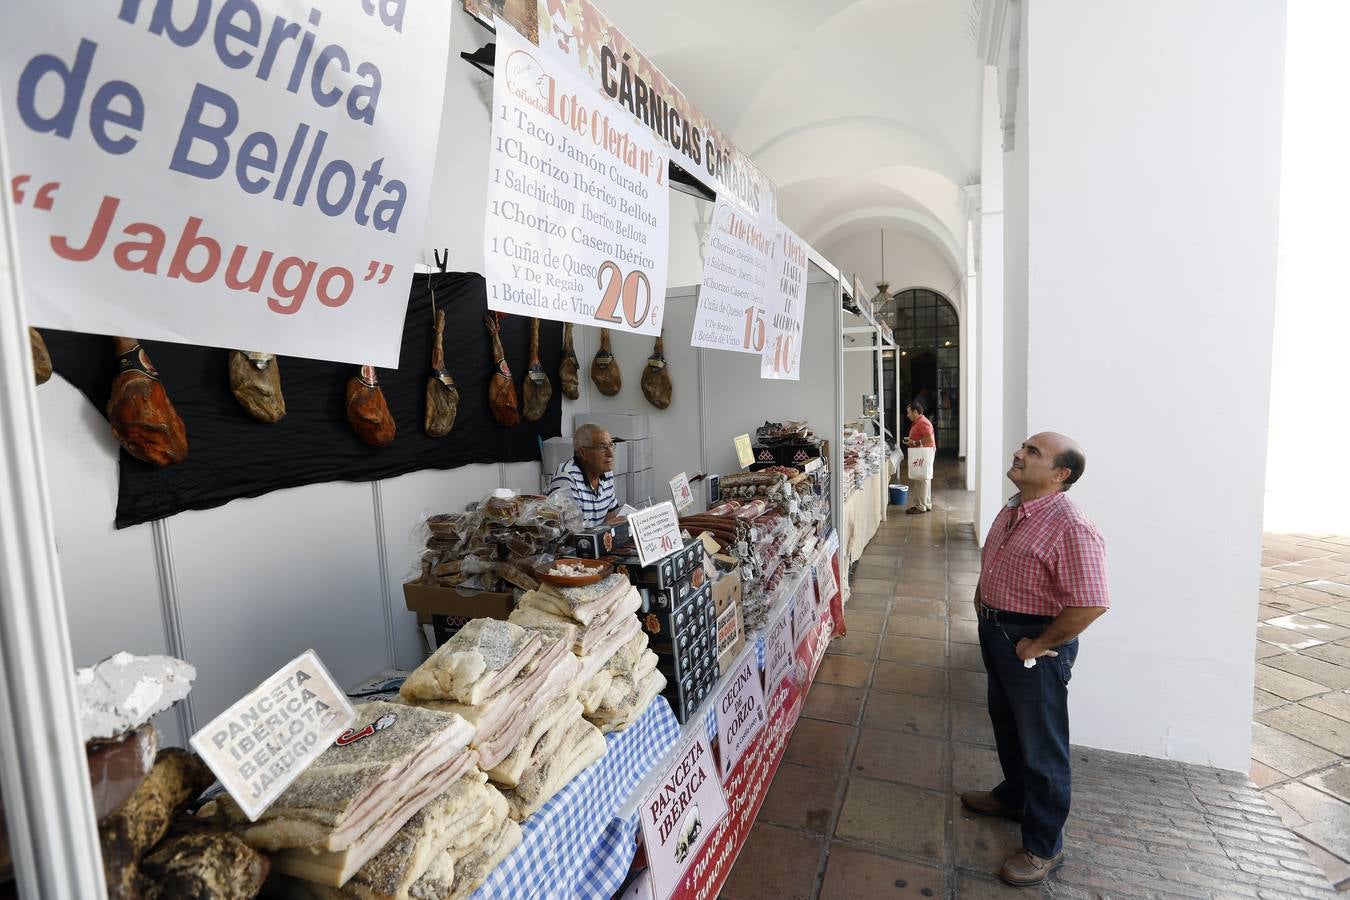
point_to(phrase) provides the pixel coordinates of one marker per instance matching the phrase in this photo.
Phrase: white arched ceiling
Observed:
(865, 113)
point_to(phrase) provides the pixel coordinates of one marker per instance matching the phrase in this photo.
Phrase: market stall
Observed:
(266, 527)
(869, 461)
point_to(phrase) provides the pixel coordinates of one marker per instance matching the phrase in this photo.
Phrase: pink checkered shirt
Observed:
(1042, 556)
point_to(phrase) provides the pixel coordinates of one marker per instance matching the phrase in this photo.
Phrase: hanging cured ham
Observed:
(442, 395)
(367, 411)
(143, 419)
(569, 369)
(255, 381)
(42, 360)
(538, 389)
(605, 368)
(501, 388)
(656, 385)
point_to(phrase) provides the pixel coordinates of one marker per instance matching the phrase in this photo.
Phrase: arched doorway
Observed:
(928, 338)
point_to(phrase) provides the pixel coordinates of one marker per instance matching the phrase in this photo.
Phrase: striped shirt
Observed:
(595, 504)
(1041, 556)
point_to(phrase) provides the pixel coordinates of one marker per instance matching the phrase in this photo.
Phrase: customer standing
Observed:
(1042, 582)
(920, 435)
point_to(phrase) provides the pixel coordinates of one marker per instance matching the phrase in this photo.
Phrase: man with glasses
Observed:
(589, 475)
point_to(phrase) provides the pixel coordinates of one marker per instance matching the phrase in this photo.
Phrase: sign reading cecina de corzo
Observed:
(740, 711)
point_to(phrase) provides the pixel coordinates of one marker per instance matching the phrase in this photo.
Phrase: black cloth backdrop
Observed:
(232, 455)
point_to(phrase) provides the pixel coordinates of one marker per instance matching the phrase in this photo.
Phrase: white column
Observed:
(990, 460)
(1152, 224)
(969, 349)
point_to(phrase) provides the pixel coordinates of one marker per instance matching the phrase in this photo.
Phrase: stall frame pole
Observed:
(44, 772)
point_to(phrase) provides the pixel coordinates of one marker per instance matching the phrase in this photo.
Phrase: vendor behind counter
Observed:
(589, 475)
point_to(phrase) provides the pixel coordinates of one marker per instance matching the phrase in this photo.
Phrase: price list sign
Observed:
(578, 209)
(738, 270)
(786, 312)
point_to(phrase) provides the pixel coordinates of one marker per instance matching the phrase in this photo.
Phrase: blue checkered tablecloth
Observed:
(576, 846)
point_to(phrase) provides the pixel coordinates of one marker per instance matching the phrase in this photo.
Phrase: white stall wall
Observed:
(1169, 399)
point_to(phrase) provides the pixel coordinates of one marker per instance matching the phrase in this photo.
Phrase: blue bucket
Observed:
(899, 494)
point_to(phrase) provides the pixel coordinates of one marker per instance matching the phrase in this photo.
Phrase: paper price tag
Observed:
(805, 613)
(826, 584)
(656, 531)
(264, 741)
(680, 490)
(744, 452)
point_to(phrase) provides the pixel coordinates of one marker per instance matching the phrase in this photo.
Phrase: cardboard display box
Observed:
(447, 609)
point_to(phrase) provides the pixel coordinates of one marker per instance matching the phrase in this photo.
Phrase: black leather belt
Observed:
(1003, 617)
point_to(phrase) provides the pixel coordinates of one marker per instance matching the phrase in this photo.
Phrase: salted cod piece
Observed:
(360, 793)
(631, 708)
(564, 708)
(582, 604)
(563, 754)
(481, 659)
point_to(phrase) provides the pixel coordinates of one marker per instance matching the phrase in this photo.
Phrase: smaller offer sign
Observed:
(679, 489)
(778, 650)
(805, 613)
(826, 584)
(744, 452)
(680, 813)
(263, 742)
(656, 531)
(740, 710)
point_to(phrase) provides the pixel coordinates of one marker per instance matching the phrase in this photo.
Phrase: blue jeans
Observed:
(1029, 709)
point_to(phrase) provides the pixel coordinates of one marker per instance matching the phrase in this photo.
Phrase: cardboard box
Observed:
(621, 426)
(448, 609)
(730, 635)
(726, 591)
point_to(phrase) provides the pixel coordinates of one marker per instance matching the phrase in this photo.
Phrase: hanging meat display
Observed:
(255, 381)
(367, 411)
(442, 395)
(501, 388)
(569, 369)
(656, 385)
(42, 360)
(142, 417)
(605, 368)
(538, 389)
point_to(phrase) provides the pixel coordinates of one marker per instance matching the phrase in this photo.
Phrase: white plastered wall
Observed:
(1168, 397)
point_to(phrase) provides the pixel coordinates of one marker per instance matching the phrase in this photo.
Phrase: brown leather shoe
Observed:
(1025, 868)
(986, 804)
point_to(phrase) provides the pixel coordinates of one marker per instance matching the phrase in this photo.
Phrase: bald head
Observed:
(1064, 453)
(1046, 463)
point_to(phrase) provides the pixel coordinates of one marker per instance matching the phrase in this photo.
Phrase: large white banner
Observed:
(578, 209)
(786, 313)
(738, 272)
(252, 174)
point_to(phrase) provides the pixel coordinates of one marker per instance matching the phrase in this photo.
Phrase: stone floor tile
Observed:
(1326, 819)
(834, 703)
(1334, 867)
(1300, 597)
(1291, 641)
(1333, 615)
(1324, 631)
(983, 842)
(1337, 704)
(871, 816)
(1334, 587)
(1335, 782)
(971, 725)
(974, 768)
(871, 586)
(850, 671)
(967, 632)
(1264, 700)
(1315, 670)
(914, 626)
(921, 590)
(1286, 753)
(1310, 725)
(864, 620)
(891, 538)
(802, 797)
(964, 579)
(1281, 577)
(1265, 613)
(869, 603)
(855, 643)
(921, 609)
(775, 862)
(987, 887)
(1332, 653)
(1263, 776)
(961, 609)
(1265, 651)
(906, 759)
(929, 571)
(903, 679)
(853, 874)
(883, 572)
(906, 713)
(823, 745)
(1283, 684)
(966, 657)
(970, 687)
(914, 651)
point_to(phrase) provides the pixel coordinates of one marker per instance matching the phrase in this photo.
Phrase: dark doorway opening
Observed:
(927, 336)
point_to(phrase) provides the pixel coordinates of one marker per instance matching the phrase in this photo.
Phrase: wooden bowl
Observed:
(596, 571)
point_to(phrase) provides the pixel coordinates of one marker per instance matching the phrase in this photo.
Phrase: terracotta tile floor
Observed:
(1301, 705)
(866, 803)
